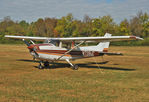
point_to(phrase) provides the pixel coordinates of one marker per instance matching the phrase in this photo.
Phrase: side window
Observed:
(68, 45)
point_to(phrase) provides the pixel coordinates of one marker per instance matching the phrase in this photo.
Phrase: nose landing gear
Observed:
(43, 65)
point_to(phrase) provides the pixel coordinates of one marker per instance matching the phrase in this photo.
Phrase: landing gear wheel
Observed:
(75, 67)
(40, 66)
(46, 64)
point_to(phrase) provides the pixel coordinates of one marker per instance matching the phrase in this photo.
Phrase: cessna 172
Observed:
(52, 49)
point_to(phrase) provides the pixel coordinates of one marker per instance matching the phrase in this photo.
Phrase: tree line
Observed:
(68, 26)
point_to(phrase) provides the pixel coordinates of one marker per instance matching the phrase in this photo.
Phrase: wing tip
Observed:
(136, 38)
(6, 36)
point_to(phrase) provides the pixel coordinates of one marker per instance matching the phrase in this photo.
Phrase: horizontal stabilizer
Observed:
(110, 53)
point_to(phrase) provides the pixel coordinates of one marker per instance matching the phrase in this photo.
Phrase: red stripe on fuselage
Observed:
(58, 54)
(62, 52)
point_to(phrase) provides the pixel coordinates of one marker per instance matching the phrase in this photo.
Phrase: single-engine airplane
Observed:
(53, 50)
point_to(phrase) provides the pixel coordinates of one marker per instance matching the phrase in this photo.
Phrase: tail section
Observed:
(103, 46)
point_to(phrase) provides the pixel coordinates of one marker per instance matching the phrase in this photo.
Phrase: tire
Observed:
(40, 66)
(46, 64)
(75, 67)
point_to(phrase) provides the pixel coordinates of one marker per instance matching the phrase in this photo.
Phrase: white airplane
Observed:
(53, 48)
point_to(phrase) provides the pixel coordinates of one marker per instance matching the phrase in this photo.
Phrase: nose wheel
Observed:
(40, 66)
(43, 65)
(46, 64)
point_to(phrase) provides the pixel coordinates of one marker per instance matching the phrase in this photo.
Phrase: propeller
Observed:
(28, 44)
(32, 48)
(35, 52)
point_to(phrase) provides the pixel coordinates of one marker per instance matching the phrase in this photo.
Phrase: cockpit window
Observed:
(47, 41)
(54, 42)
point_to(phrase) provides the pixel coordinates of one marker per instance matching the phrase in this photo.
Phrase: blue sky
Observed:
(108, 1)
(31, 10)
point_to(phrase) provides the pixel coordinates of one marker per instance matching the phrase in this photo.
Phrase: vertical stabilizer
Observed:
(103, 46)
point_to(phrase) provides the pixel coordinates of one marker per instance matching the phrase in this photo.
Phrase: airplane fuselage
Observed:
(52, 52)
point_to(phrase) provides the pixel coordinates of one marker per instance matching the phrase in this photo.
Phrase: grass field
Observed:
(121, 79)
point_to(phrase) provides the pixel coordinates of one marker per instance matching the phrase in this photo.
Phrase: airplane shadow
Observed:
(86, 65)
(104, 62)
(105, 67)
(25, 60)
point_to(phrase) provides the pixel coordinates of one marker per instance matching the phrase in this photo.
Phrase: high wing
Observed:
(78, 39)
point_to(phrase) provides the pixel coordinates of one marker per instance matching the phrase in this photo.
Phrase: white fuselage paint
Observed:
(86, 52)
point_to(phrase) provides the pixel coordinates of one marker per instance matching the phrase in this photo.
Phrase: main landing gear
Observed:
(43, 65)
(74, 67)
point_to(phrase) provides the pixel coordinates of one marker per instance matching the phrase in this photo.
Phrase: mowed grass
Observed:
(122, 79)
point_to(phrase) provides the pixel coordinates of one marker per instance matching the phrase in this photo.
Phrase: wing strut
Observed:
(71, 49)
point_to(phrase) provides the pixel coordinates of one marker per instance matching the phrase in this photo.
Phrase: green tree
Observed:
(144, 17)
(87, 26)
(50, 24)
(78, 27)
(103, 25)
(64, 26)
(124, 28)
(39, 28)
